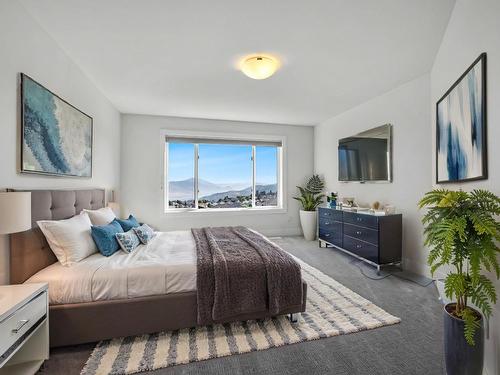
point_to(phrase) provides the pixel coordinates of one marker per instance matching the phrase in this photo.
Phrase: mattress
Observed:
(167, 264)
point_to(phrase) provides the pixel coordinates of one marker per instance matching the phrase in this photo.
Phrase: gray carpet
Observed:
(412, 347)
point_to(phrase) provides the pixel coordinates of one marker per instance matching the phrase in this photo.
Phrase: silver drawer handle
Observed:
(327, 223)
(358, 232)
(358, 219)
(358, 246)
(22, 323)
(327, 235)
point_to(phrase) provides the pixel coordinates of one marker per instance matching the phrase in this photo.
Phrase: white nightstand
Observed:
(24, 328)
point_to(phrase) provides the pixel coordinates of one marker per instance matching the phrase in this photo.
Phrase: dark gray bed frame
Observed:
(78, 323)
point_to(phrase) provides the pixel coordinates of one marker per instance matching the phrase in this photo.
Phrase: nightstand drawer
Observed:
(21, 320)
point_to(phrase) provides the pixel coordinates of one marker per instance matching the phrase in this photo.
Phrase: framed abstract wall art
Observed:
(461, 153)
(56, 137)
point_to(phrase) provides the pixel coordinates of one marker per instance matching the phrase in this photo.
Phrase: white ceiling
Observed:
(177, 57)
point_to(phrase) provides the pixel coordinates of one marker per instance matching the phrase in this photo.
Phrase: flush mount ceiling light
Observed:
(259, 66)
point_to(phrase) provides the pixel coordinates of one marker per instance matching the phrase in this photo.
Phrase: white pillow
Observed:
(70, 240)
(102, 216)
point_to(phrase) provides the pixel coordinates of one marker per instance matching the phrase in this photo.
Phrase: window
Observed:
(181, 171)
(266, 172)
(208, 174)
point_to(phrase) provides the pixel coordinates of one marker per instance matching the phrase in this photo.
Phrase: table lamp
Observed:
(15, 212)
(115, 206)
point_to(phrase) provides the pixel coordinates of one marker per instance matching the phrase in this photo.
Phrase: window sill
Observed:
(226, 211)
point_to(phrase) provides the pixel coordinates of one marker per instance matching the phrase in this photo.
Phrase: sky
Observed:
(222, 164)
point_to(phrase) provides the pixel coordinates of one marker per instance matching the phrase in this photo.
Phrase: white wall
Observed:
(26, 48)
(474, 27)
(407, 109)
(142, 173)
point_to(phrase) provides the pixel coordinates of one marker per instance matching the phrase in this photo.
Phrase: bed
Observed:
(150, 290)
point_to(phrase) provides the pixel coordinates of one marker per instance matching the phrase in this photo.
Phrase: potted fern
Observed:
(310, 197)
(462, 231)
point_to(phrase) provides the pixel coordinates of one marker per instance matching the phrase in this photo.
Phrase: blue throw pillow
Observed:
(145, 233)
(105, 237)
(129, 223)
(128, 241)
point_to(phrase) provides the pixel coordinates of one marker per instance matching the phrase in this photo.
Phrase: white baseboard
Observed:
(417, 267)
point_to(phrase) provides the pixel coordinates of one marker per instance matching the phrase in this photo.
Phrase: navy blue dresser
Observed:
(375, 239)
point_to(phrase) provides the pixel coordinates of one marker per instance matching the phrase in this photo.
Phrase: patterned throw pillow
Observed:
(145, 233)
(128, 241)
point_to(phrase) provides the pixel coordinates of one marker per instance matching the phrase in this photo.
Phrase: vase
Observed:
(460, 357)
(308, 220)
(332, 203)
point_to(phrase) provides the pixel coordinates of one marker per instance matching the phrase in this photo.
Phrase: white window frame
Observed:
(226, 137)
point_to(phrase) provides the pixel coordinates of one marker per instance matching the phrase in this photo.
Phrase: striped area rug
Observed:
(332, 309)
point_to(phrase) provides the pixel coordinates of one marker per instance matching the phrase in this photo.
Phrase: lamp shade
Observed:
(115, 206)
(15, 212)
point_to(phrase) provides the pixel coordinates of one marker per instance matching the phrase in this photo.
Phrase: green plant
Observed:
(461, 230)
(332, 197)
(311, 195)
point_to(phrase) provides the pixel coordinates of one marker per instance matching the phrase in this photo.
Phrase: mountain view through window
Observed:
(225, 175)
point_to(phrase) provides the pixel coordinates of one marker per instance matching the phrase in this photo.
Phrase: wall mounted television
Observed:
(367, 156)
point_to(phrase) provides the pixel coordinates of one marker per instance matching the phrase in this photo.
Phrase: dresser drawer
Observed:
(361, 233)
(330, 224)
(17, 324)
(330, 213)
(361, 248)
(335, 238)
(362, 220)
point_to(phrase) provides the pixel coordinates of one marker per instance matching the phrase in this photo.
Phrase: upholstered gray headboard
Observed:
(63, 204)
(29, 251)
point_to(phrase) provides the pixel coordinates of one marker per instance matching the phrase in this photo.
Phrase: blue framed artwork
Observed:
(56, 137)
(461, 153)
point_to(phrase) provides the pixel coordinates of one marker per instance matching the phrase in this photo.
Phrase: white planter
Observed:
(308, 220)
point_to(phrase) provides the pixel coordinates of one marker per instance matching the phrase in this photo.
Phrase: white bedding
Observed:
(167, 264)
